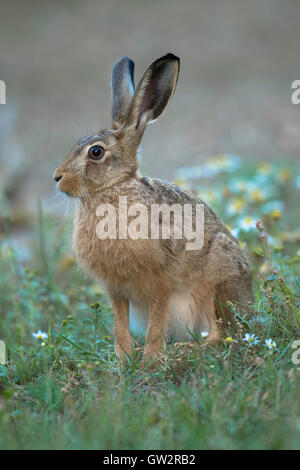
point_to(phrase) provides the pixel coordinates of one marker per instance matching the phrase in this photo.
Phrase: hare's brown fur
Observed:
(179, 293)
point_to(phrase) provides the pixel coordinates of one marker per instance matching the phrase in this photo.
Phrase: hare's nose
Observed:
(58, 178)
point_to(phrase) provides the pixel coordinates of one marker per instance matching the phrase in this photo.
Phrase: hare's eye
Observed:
(96, 152)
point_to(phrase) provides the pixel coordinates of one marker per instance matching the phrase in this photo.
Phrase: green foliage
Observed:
(64, 388)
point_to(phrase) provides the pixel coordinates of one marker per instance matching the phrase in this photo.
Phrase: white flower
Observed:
(264, 168)
(238, 186)
(247, 223)
(211, 167)
(222, 163)
(40, 335)
(204, 334)
(274, 242)
(271, 344)
(262, 180)
(189, 172)
(208, 195)
(235, 232)
(235, 206)
(271, 206)
(251, 339)
(257, 195)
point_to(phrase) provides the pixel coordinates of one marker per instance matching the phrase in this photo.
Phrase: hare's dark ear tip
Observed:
(169, 57)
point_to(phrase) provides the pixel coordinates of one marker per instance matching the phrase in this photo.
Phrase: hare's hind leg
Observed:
(228, 269)
(225, 261)
(238, 291)
(204, 295)
(228, 272)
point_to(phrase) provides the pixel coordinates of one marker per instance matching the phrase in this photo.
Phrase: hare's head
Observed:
(110, 156)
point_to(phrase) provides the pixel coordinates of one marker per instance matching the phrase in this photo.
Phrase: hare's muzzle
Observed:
(57, 175)
(67, 182)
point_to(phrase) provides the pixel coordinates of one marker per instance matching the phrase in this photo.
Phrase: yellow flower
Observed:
(180, 181)
(264, 168)
(257, 195)
(219, 161)
(229, 339)
(276, 214)
(247, 223)
(236, 205)
(208, 195)
(285, 175)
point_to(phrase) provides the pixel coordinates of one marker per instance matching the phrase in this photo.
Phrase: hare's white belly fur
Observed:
(185, 323)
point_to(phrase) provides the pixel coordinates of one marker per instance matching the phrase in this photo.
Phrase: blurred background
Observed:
(234, 93)
(232, 135)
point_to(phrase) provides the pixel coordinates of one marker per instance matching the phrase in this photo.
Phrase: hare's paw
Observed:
(151, 358)
(123, 349)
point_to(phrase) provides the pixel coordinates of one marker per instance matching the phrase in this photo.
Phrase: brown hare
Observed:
(179, 292)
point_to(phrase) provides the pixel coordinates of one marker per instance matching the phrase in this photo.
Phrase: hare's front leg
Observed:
(121, 326)
(157, 324)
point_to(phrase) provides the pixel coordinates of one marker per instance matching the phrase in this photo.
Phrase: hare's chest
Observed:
(111, 259)
(96, 257)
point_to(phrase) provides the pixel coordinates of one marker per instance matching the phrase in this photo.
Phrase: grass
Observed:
(69, 392)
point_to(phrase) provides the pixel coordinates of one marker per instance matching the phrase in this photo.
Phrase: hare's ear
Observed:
(122, 89)
(154, 92)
